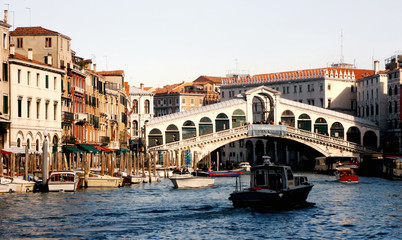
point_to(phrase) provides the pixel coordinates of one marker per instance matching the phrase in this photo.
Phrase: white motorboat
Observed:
(23, 186)
(96, 180)
(187, 180)
(7, 185)
(63, 181)
(154, 178)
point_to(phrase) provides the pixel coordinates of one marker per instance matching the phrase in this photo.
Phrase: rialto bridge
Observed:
(261, 112)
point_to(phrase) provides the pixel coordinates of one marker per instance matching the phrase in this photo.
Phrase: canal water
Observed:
(370, 209)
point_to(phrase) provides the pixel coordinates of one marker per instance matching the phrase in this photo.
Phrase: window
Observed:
(223, 94)
(19, 75)
(28, 108)
(48, 42)
(396, 90)
(5, 71)
(46, 110)
(294, 88)
(37, 109)
(200, 101)
(146, 106)
(28, 78)
(55, 111)
(329, 86)
(54, 83)
(395, 107)
(5, 40)
(170, 101)
(283, 90)
(192, 101)
(19, 107)
(322, 102)
(352, 88)
(390, 91)
(300, 88)
(47, 81)
(37, 79)
(329, 103)
(19, 43)
(183, 101)
(321, 87)
(5, 104)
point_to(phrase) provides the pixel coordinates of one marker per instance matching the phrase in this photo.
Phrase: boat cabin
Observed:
(62, 177)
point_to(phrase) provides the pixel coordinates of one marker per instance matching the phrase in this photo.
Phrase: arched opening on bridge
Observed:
(238, 118)
(155, 137)
(321, 126)
(370, 139)
(250, 152)
(172, 134)
(205, 126)
(188, 130)
(304, 122)
(221, 122)
(353, 135)
(337, 130)
(270, 149)
(259, 152)
(288, 118)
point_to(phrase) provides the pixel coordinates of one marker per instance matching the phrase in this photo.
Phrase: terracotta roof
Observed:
(37, 31)
(112, 73)
(24, 58)
(203, 78)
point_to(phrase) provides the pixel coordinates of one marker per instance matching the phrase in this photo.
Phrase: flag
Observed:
(133, 107)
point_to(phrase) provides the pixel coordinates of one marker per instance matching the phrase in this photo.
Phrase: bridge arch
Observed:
(304, 122)
(172, 134)
(189, 129)
(238, 118)
(221, 122)
(337, 130)
(353, 135)
(288, 118)
(321, 126)
(250, 152)
(155, 137)
(263, 107)
(205, 126)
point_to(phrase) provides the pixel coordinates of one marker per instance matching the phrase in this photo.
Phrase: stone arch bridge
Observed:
(262, 112)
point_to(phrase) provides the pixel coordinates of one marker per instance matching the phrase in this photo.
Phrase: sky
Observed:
(160, 42)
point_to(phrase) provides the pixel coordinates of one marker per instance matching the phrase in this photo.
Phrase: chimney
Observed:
(142, 86)
(30, 54)
(5, 16)
(12, 50)
(49, 59)
(376, 67)
(94, 67)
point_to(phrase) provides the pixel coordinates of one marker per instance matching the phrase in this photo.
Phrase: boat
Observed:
(96, 180)
(245, 166)
(128, 179)
(154, 178)
(23, 186)
(392, 167)
(273, 187)
(226, 173)
(63, 181)
(188, 180)
(328, 165)
(7, 185)
(346, 175)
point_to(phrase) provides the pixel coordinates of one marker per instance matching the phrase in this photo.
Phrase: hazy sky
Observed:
(159, 42)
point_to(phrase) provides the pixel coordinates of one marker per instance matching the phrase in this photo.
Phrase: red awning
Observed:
(104, 149)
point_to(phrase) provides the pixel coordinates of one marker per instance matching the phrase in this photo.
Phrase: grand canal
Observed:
(370, 209)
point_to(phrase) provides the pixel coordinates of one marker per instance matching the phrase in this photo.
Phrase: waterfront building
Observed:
(52, 48)
(4, 84)
(35, 99)
(393, 65)
(210, 86)
(141, 111)
(79, 114)
(372, 99)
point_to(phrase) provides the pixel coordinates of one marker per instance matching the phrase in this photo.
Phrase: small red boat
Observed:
(346, 175)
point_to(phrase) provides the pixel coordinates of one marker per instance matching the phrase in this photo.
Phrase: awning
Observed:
(88, 148)
(104, 149)
(72, 149)
(122, 150)
(17, 150)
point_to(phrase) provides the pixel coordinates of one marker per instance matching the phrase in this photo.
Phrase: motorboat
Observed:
(23, 186)
(97, 180)
(128, 179)
(273, 187)
(146, 179)
(245, 166)
(188, 180)
(63, 181)
(346, 175)
(226, 173)
(7, 185)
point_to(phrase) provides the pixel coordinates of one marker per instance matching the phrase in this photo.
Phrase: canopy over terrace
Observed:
(72, 149)
(104, 149)
(88, 148)
(17, 150)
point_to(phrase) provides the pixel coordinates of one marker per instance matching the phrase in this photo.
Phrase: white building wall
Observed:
(30, 127)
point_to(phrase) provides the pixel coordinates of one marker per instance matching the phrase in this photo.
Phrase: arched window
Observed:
(18, 142)
(37, 145)
(205, 126)
(188, 129)
(29, 143)
(135, 106)
(146, 107)
(135, 128)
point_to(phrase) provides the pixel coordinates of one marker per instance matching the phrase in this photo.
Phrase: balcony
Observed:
(80, 116)
(67, 117)
(79, 90)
